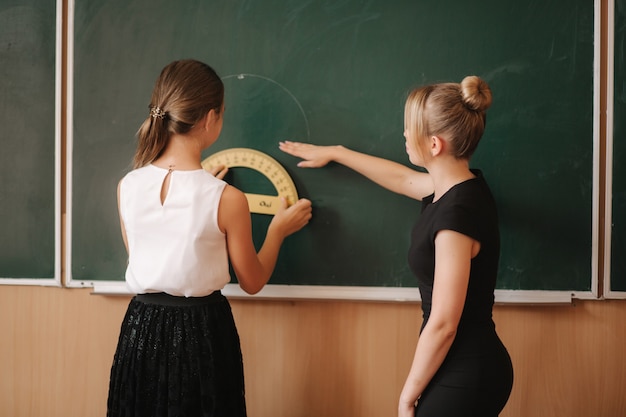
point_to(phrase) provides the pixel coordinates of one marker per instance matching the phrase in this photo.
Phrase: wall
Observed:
(311, 358)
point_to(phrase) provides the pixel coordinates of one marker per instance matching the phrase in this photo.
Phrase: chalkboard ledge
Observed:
(386, 294)
(42, 282)
(295, 292)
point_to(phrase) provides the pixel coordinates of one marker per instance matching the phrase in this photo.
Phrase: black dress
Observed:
(476, 376)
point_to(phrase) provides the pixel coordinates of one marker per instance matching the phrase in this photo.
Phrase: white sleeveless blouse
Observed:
(175, 247)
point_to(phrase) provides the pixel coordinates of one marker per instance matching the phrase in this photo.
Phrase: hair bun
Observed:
(476, 93)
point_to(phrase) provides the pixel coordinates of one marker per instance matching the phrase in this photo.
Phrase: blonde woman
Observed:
(460, 367)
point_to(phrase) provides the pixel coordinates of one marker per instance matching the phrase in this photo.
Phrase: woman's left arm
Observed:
(453, 256)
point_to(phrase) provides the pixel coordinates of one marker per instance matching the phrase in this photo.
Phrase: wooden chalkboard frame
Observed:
(373, 293)
(56, 279)
(608, 292)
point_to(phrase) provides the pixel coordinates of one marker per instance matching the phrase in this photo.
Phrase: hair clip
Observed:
(157, 112)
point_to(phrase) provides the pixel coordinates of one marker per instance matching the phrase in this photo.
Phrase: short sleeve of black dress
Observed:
(466, 208)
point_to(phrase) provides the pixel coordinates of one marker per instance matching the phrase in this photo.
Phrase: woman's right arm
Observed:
(254, 269)
(388, 174)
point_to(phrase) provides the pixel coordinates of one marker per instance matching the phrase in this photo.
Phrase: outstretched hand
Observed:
(313, 156)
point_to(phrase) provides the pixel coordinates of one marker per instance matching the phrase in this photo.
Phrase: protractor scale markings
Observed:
(264, 164)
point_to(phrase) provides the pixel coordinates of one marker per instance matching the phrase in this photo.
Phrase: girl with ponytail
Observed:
(178, 352)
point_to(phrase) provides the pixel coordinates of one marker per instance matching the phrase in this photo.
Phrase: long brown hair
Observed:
(456, 111)
(183, 94)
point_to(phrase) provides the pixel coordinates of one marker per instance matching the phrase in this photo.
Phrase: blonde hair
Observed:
(456, 111)
(183, 94)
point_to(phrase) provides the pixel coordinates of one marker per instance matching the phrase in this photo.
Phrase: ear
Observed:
(436, 145)
(210, 118)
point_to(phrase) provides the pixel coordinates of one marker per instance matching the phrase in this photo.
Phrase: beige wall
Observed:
(311, 358)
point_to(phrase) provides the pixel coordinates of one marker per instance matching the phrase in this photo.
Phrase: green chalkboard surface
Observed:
(338, 72)
(29, 179)
(618, 232)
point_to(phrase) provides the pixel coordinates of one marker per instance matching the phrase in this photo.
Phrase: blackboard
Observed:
(338, 72)
(617, 272)
(29, 159)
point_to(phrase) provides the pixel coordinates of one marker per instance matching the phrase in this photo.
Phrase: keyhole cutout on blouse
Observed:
(165, 187)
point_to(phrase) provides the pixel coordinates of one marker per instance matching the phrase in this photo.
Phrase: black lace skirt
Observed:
(177, 357)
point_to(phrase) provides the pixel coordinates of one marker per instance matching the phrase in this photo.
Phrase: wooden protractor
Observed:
(264, 164)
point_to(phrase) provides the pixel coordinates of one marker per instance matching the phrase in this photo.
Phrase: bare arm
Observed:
(254, 270)
(454, 252)
(388, 174)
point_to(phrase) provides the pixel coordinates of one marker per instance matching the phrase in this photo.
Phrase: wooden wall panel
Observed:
(311, 358)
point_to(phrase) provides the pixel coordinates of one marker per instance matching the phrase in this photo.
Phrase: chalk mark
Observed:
(244, 75)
